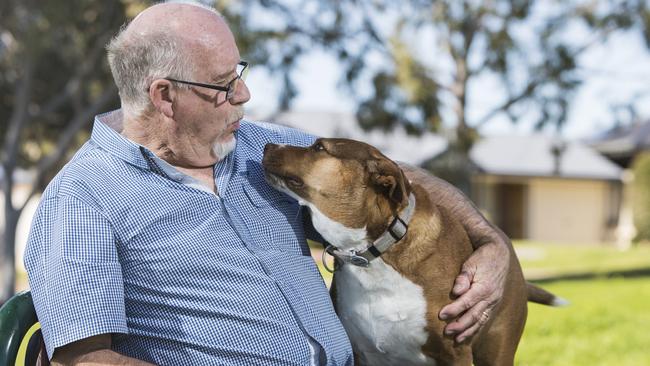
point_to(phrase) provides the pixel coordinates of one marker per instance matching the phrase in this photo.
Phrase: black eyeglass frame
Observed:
(228, 89)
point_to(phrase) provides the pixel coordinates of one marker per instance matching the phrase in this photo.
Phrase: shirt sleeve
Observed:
(74, 272)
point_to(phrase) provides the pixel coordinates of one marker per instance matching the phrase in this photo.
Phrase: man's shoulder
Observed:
(269, 126)
(265, 132)
(89, 168)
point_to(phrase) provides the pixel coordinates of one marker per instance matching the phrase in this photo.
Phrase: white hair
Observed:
(136, 61)
(221, 149)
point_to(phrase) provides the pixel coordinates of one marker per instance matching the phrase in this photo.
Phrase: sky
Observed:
(615, 72)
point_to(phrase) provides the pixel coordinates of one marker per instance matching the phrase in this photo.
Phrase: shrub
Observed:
(641, 196)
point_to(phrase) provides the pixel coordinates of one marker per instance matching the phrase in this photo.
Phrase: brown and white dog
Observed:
(401, 252)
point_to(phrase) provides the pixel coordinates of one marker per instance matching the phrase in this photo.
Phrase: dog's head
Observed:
(351, 188)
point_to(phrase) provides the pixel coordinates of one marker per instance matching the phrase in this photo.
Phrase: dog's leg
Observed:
(496, 346)
(495, 356)
(444, 350)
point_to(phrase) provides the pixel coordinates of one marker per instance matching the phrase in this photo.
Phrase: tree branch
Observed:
(528, 91)
(532, 85)
(19, 115)
(16, 123)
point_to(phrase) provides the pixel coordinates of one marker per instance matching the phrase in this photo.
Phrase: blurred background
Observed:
(539, 110)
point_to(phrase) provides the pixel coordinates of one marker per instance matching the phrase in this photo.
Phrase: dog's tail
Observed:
(539, 295)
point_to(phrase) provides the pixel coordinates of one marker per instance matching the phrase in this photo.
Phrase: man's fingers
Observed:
(478, 314)
(462, 283)
(468, 332)
(463, 303)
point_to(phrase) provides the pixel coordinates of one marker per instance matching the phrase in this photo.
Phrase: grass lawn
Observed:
(607, 323)
(543, 260)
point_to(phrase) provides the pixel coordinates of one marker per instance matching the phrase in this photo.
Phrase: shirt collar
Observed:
(107, 135)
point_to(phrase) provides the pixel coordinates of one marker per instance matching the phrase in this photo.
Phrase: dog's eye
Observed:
(295, 183)
(319, 147)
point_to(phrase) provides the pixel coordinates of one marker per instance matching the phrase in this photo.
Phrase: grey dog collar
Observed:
(394, 233)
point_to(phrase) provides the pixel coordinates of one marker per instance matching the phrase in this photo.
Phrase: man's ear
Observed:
(162, 96)
(388, 178)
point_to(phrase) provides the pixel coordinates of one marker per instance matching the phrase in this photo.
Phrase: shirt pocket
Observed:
(275, 220)
(262, 195)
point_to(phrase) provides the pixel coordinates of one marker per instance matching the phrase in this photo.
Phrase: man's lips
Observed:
(234, 126)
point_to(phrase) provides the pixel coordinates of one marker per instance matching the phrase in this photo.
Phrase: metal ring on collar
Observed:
(324, 261)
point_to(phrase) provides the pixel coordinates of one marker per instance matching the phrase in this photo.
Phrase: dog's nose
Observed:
(270, 147)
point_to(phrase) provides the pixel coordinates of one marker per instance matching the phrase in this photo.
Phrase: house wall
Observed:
(556, 210)
(488, 194)
(572, 211)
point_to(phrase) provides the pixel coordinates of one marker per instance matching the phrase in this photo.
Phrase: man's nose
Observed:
(242, 94)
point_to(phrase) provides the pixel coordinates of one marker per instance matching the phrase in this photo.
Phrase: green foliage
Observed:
(54, 51)
(641, 194)
(423, 59)
(606, 324)
(53, 79)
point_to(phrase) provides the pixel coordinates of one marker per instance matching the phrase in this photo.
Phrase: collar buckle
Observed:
(358, 260)
(350, 256)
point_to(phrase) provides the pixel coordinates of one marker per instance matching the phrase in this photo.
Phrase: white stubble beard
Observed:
(222, 149)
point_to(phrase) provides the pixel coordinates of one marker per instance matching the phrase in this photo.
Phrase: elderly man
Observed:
(160, 242)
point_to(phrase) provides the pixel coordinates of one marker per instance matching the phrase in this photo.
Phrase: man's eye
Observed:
(221, 80)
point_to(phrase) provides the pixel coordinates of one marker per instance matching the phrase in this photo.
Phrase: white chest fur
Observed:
(384, 314)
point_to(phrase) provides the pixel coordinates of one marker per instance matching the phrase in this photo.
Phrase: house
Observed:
(532, 187)
(540, 189)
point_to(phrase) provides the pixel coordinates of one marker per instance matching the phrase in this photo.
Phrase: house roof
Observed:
(397, 144)
(624, 139)
(622, 143)
(532, 156)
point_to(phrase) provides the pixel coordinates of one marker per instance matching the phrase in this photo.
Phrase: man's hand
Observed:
(479, 288)
(93, 350)
(481, 283)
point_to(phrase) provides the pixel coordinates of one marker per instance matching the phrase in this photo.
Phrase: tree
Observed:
(424, 58)
(53, 80)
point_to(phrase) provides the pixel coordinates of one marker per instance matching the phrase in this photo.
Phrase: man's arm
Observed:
(480, 284)
(94, 350)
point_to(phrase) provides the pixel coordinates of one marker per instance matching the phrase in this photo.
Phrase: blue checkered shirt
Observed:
(179, 275)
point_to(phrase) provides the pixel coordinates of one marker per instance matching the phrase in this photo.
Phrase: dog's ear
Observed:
(387, 177)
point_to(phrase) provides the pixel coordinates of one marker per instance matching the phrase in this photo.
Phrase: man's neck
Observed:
(203, 175)
(158, 142)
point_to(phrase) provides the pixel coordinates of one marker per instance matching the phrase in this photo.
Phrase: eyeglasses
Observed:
(242, 72)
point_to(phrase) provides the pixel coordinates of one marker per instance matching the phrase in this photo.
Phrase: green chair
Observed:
(21, 341)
